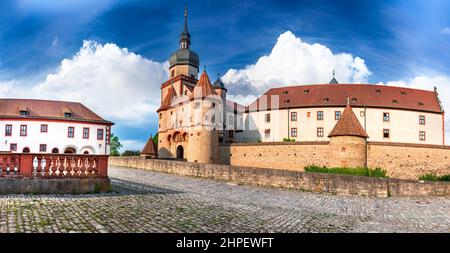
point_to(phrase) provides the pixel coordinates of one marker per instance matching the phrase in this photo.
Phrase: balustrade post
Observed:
(26, 165)
(102, 166)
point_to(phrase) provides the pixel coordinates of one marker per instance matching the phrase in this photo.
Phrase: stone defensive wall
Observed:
(406, 161)
(290, 179)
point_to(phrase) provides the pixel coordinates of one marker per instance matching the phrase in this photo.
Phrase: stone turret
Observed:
(348, 141)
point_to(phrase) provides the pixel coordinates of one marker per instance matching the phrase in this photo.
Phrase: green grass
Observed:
(434, 177)
(367, 172)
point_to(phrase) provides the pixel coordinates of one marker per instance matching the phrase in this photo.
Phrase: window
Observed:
(337, 115)
(8, 130)
(70, 132)
(43, 148)
(99, 134)
(23, 113)
(378, 91)
(354, 100)
(23, 130)
(320, 115)
(422, 135)
(320, 132)
(68, 114)
(160, 115)
(293, 132)
(422, 119)
(185, 92)
(326, 100)
(420, 104)
(306, 91)
(308, 114)
(386, 117)
(385, 133)
(395, 102)
(267, 117)
(55, 150)
(44, 128)
(267, 133)
(13, 147)
(172, 73)
(293, 116)
(85, 133)
(403, 93)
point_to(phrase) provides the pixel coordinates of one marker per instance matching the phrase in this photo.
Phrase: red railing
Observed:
(53, 165)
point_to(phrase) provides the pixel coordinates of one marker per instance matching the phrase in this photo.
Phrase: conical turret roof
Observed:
(149, 148)
(203, 87)
(348, 125)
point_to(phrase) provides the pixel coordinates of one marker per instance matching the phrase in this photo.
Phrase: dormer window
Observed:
(23, 112)
(420, 104)
(378, 91)
(326, 100)
(354, 100)
(306, 91)
(394, 102)
(403, 93)
(67, 114)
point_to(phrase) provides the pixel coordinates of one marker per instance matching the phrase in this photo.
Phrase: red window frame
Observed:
(46, 128)
(6, 130)
(11, 145)
(85, 137)
(98, 134)
(22, 131)
(68, 132)
(42, 145)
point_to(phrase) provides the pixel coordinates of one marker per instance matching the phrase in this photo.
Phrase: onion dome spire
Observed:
(185, 37)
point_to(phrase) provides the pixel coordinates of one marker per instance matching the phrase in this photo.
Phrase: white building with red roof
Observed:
(309, 113)
(44, 126)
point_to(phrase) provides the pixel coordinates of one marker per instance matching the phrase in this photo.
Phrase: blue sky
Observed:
(398, 40)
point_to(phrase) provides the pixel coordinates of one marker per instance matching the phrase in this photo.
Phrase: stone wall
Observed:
(289, 179)
(409, 161)
(406, 161)
(276, 155)
(53, 186)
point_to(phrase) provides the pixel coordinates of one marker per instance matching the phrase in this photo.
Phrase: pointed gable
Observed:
(348, 125)
(168, 99)
(149, 148)
(203, 87)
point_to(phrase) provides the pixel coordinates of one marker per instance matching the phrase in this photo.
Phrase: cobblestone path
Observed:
(144, 201)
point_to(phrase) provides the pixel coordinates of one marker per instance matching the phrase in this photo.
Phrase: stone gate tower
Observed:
(192, 111)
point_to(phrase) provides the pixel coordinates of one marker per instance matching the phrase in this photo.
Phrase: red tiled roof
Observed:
(167, 101)
(149, 148)
(10, 108)
(203, 87)
(348, 125)
(369, 95)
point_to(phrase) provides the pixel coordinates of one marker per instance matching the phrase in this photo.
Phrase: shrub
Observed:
(368, 172)
(434, 177)
(131, 153)
(288, 140)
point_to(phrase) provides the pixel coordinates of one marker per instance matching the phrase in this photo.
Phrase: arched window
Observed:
(55, 150)
(26, 150)
(70, 150)
(86, 152)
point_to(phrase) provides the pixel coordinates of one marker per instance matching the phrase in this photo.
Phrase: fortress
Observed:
(345, 125)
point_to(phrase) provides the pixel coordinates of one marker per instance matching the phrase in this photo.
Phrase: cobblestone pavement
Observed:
(144, 201)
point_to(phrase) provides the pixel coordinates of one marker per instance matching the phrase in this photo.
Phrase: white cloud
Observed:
(115, 83)
(131, 145)
(441, 82)
(446, 30)
(293, 62)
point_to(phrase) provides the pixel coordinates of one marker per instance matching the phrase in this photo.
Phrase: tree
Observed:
(155, 140)
(115, 145)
